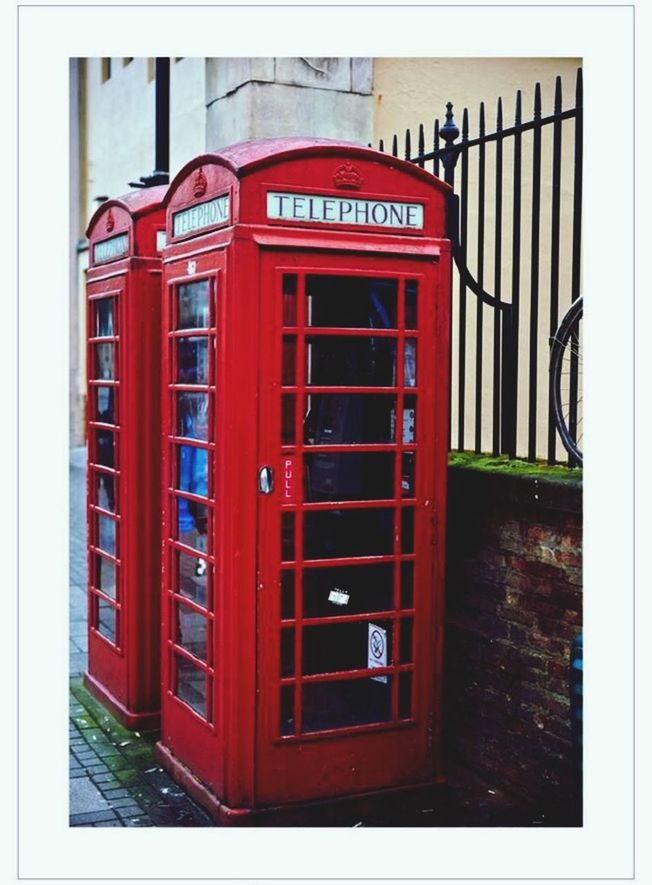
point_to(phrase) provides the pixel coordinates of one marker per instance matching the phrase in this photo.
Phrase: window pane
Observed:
(105, 491)
(106, 534)
(104, 317)
(105, 361)
(106, 620)
(192, 470)
(192, 524)
(407, 584)
(407, 530)
(287, 537)
(337, 418)
(352, 302)
(289, 363)
(338, 533)
(347, 590)
(193, 306)
(287, 652)
(411, 288)
(287, 594)
(405, 644)
(192, 415)
(409, 419)
(289, 299)
(335, 647)
(345, 703)
(288, 423)
(191, 685)
(410, 362)
(105, 576)
(192, 577)
(354, 362)
(349, 476)
(287, 709)
(105, 448)
(191, 631)
(407, 475)
(192, 354)
(104, 405)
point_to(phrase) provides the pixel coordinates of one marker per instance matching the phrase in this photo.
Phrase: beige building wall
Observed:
(410, 91)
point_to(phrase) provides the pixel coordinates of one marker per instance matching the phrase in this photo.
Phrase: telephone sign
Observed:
(305, 395)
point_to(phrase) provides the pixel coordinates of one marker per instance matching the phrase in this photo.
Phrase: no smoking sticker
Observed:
(377, 650)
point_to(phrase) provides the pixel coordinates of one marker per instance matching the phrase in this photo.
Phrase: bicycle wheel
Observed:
(566, 386)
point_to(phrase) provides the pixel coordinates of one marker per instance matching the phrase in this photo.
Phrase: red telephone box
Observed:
(126, 237)
(305, 355)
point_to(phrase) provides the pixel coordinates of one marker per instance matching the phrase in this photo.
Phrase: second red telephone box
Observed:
(123, 424)
(306, 293)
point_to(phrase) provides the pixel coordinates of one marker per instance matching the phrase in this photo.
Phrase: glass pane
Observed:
(191, 685)
(409, 419)
(192, 524)
(410, 362)
(106, 620)
(192, 415)
(349, 476)
(192, 578)
(347, 590)
(105, 361)
(337, 533)
(411, 288)
(193, 306)
(287, 709)
(191, 631)
(105, 448)
(407, 475)
(407, 584)
(345, 703)
(405, 696)
(287, 652)
(104, 317)
(289, 365)
(105, 491)
(405, 643)
(335, 647)
(334, 361)
(287, 595)
(287, 537)
(105, 576)
(104, 405)
(353, 302)
(288, 423)
(192, 366)
(407, 530)
(337, 418)
(192, 470)
(106, 534)
(289, 299)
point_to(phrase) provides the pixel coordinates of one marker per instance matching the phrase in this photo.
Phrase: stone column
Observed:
(263, 97)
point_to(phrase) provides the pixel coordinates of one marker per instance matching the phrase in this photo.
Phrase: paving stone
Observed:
(128, 811)
(105, 781)
(91, 817)
(126, 802)
(85, 797)
(119, 793)
(109, 823)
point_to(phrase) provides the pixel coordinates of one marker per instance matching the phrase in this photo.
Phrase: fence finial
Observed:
(449, 130)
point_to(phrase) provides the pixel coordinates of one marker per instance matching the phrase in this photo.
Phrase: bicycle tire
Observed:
(566, 337)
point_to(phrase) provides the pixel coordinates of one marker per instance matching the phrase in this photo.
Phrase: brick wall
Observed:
(514, 603)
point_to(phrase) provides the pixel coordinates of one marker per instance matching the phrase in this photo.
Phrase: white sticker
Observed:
(377, 650)
(339, 597)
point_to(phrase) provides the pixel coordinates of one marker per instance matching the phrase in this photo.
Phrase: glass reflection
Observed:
(192, 415)
(410, 362)
(106, 620)
(105, 491)
(192, 578)
(407, 475)
(104, 403)
(105, 361)
(345, 703)
(192, 366)
(191, 685)
(193, 305)
(105, 448)
(191, 631)
(104, 317)
(106, 534)
(192, 470)
(105, 576)
(192, 524)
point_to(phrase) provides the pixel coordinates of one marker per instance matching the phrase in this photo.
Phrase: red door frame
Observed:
(399, 752)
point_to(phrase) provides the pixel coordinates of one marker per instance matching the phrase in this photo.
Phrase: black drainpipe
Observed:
(161, 173)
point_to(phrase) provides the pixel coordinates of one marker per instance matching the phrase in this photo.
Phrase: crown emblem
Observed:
(200, 184)
(110, 221)
(347, 176)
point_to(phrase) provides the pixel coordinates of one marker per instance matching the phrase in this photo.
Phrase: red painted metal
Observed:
(243, 636)
(123, 432)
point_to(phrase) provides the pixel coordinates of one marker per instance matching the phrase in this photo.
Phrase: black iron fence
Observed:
(515, 222)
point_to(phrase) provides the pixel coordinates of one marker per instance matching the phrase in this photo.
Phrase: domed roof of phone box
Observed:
(136, 202)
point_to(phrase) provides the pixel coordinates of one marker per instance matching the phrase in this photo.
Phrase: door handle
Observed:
(266, 480)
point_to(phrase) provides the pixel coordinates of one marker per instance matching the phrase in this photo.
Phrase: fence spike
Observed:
(537, 101)
(395, 146)
(422, 145)
(499, 116)
(579, 89)
(381, 146)
(435, 148)
(465, 124)
(517, 115)
(481, 127)
(558, 95)
(408, 144)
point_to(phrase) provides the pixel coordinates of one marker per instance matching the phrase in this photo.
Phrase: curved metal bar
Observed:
(458, 256)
